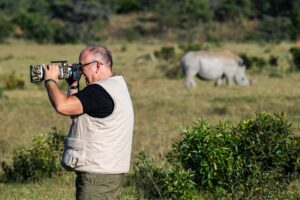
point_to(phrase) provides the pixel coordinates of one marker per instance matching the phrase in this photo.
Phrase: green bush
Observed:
(79, 21)
(276, 73)
(270, 29)
(162, 183)
(170, 70)
(255, 159)
(6, 29)
(13, 81)
(169, 65)
(39, 160)
(36, 26)
(130, 33)
(190, 47)
(165, 53)
(270, 151)
(211, 152)
(259, 62)
(295, 51)
(127, 6)
(1, 92)
(273, 61)
(182, 14)
(255, 61)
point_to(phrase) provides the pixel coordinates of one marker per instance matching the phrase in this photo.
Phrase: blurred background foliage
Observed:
(75, 21)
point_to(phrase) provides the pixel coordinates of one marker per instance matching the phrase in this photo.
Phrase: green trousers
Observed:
(98, 186)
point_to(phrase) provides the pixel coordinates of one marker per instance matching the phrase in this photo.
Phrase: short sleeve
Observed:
(96, 101)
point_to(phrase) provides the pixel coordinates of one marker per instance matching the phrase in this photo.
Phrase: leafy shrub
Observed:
(295, 51)
(4, 145)
(275, 73)
(183, 14)
(130, 34)
(270, 151)
(161, 183)
(255, 159)
(67, 33)
(127, 6)
(165, 53)
(273, 61)
(211, 152)
(259, 62)
(12, 81)
(253, 61)
(170, 70)
(295, 19)
(1, 92)
(169, 67)
(6, 29)
(39, 160)
(190, 47)
(270, 29)
(36, 27)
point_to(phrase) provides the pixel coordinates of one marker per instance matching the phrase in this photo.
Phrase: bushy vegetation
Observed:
(169, 64)
(39, 160)
(166, 53)
(158, 117)
(54, 21)
(185, 47)
(159, 183)
(13, 81)
(256, 159)
(295, 51)
(259, 64)
(253, 61)
(71, 21)
(1, 92)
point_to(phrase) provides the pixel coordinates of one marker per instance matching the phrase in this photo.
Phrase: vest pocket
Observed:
(74, 153)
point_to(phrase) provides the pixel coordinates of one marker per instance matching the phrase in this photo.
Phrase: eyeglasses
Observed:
(84, 65)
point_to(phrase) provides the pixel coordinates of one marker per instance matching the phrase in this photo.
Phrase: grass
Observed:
(55, 188)
(163, 107)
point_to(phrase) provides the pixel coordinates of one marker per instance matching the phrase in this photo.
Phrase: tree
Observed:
(225, 10)
(183, 13)
(79, 18)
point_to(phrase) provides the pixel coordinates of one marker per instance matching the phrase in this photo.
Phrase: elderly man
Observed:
(98, 146)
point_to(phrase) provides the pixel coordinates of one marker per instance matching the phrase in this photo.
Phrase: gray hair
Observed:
(101, 52)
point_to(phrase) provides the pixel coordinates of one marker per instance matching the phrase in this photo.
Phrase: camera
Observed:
(65, 71)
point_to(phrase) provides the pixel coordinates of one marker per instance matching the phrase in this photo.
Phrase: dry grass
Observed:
(163, 107)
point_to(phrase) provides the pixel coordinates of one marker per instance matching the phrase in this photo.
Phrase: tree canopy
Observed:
(69, 21)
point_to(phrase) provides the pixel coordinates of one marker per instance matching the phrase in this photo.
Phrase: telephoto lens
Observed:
(65, 71)
(36, 73)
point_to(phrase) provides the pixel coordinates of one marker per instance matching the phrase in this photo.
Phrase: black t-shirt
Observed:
(96, 101)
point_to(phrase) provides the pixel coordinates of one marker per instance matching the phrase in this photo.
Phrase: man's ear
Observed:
(99, 66)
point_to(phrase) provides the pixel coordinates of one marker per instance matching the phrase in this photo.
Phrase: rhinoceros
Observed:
(213, 66)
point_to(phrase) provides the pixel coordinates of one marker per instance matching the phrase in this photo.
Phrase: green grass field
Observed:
(163, 107)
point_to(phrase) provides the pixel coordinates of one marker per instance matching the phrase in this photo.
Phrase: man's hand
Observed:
(51, 72)
(71, 82)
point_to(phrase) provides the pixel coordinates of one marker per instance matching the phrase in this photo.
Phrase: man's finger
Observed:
(44, 67)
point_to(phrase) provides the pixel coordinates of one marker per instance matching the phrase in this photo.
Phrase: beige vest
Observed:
(102, 145)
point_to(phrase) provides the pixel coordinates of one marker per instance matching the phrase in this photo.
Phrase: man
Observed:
(98, 146)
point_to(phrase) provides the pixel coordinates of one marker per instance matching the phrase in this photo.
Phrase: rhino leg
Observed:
(218, 82)
(189, 82)
(229, 80)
